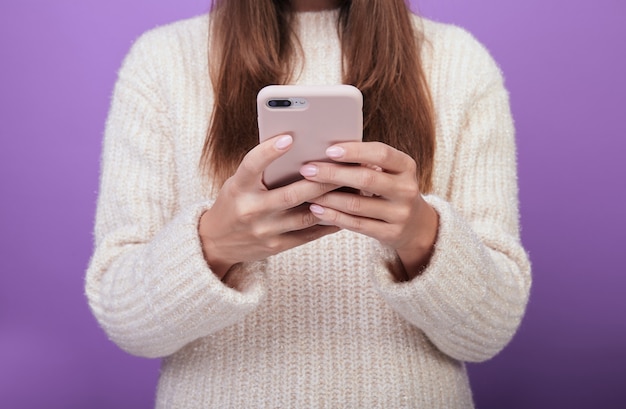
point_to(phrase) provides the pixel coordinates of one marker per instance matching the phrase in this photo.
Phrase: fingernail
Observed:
(283, 142)
(308, 170)
(316, 209)
(335, 152)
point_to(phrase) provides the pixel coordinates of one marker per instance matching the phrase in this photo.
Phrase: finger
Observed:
(250, 171)
(297, 193)
(391, 160)
(297, 219)
(363, 225)
(358, 177)
(357, 205)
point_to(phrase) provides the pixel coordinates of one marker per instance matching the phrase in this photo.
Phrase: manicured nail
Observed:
(308, 170)
(283, 142)
(335, 152)
(316, 209)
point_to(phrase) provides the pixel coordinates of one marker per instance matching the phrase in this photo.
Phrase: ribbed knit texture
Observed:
(323, 325)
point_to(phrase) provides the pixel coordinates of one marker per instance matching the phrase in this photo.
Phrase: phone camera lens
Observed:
(279, 103)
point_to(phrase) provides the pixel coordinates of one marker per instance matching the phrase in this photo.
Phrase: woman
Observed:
(250, 300)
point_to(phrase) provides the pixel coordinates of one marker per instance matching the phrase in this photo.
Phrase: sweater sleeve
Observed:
(471, 297)
(148, 284)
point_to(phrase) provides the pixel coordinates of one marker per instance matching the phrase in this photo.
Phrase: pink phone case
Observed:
(316, 117)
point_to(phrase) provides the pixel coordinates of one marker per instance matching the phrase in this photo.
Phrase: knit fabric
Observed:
(325, 324)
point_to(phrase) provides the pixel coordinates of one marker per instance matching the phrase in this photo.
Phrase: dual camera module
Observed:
(287, 103)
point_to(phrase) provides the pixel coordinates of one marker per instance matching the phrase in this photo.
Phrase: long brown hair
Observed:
(252, 46)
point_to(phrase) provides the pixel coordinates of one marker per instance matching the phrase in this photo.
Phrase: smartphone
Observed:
(316, 116)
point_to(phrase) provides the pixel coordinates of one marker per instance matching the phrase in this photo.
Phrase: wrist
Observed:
(416, 255)
(218, 265)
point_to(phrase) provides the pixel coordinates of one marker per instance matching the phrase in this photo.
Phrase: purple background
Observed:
(564, 62)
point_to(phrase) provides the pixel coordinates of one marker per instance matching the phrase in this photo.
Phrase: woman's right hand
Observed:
(248, 222)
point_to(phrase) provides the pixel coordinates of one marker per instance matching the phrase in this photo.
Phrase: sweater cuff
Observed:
(191, 279)
(444, 294)
(184, 300)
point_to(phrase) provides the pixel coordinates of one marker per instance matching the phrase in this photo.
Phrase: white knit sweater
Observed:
(323, 325)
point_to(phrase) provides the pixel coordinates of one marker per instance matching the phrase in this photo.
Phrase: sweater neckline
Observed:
(313, 23)
(320, 15)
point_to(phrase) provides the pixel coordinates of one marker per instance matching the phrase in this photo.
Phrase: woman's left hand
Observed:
(395, 214)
